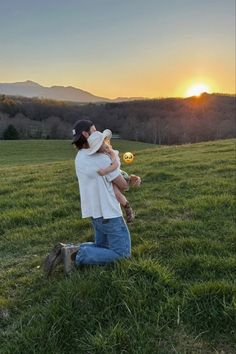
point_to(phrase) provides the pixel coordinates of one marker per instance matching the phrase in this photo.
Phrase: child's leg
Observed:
(119, 196)
(124, 202)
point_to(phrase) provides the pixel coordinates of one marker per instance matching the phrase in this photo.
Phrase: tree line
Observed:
(158, 121)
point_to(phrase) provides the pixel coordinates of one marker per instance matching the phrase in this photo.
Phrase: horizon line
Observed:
(118, 97)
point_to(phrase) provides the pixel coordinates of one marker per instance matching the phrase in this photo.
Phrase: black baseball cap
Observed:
(79, 127)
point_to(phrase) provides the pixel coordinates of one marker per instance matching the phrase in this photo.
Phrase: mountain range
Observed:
(33, 89)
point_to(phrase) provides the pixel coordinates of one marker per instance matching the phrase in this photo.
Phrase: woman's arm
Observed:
(122, 184)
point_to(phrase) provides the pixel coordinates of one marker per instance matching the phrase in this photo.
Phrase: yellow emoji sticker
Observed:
(128, 157)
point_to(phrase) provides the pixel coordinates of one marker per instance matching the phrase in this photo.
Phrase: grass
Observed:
(23, 152)
(177, 294)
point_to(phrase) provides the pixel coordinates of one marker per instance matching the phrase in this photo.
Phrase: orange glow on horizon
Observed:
(197, 89)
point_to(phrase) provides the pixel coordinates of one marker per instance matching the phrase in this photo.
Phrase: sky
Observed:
(120, 48)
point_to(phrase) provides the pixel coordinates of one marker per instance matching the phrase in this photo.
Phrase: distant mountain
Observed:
(33, 89)
(125, 99)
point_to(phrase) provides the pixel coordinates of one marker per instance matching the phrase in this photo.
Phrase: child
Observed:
(101, 144)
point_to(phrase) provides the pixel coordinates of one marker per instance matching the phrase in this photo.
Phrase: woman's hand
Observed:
(101, 172)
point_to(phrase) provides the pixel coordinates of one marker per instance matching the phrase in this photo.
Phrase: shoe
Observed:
(130, 214)
(68, 253)
(53, 259)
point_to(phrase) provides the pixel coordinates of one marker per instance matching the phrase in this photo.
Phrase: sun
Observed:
(197, 90)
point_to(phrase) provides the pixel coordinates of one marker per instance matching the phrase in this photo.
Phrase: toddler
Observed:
(100, 142)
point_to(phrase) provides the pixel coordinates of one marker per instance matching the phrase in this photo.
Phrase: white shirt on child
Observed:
(96, 192)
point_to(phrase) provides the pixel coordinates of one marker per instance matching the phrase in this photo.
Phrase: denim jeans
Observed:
(112, 241)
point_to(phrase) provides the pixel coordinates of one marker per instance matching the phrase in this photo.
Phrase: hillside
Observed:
(175, 295)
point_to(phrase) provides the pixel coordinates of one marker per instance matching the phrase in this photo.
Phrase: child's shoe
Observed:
(68, 255)
(130, 215)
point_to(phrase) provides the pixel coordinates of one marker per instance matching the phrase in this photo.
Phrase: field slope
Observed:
(177, 294)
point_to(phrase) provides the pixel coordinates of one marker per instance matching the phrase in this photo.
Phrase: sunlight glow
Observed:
(197, 90)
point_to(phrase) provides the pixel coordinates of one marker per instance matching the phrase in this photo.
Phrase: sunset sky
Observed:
(111, 48)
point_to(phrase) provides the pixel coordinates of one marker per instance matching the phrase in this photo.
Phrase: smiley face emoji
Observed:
(128, 157)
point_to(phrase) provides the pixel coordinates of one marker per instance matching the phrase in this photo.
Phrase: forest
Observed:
(159, 121)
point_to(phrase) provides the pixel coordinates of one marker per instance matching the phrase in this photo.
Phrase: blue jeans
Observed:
(112, 241)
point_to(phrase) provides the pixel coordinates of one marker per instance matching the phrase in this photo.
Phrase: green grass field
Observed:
(177, 294)
(28, 152)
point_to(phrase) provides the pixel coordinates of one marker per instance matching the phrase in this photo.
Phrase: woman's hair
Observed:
(82, 142)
